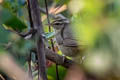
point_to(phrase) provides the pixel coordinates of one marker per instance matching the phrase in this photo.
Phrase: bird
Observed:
(65, 38)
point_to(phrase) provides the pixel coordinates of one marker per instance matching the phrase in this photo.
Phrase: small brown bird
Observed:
(65, 38)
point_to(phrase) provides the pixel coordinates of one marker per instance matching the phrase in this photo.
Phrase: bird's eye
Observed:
(57, 24)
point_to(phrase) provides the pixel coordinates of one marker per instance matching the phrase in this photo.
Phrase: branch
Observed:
(37, 24)
(60, 60)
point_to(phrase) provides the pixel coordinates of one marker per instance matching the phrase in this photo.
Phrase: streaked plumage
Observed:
(64, 37)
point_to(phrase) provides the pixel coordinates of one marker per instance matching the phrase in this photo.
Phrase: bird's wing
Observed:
(70, 43)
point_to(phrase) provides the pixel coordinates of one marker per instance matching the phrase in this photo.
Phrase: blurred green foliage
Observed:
(95, 24)
(11, 22)
(52, 72)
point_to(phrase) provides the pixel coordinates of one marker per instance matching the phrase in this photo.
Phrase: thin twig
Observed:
(53, 48)
(29, 65)
(1, 77)
(29, 13)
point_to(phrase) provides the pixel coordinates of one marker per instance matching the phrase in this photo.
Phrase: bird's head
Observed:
(59, 22)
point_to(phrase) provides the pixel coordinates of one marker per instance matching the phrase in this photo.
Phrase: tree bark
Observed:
(37, 25)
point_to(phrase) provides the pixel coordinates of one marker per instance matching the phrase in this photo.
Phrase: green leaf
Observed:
(52, 72)
(9, 21)
(4, 38)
